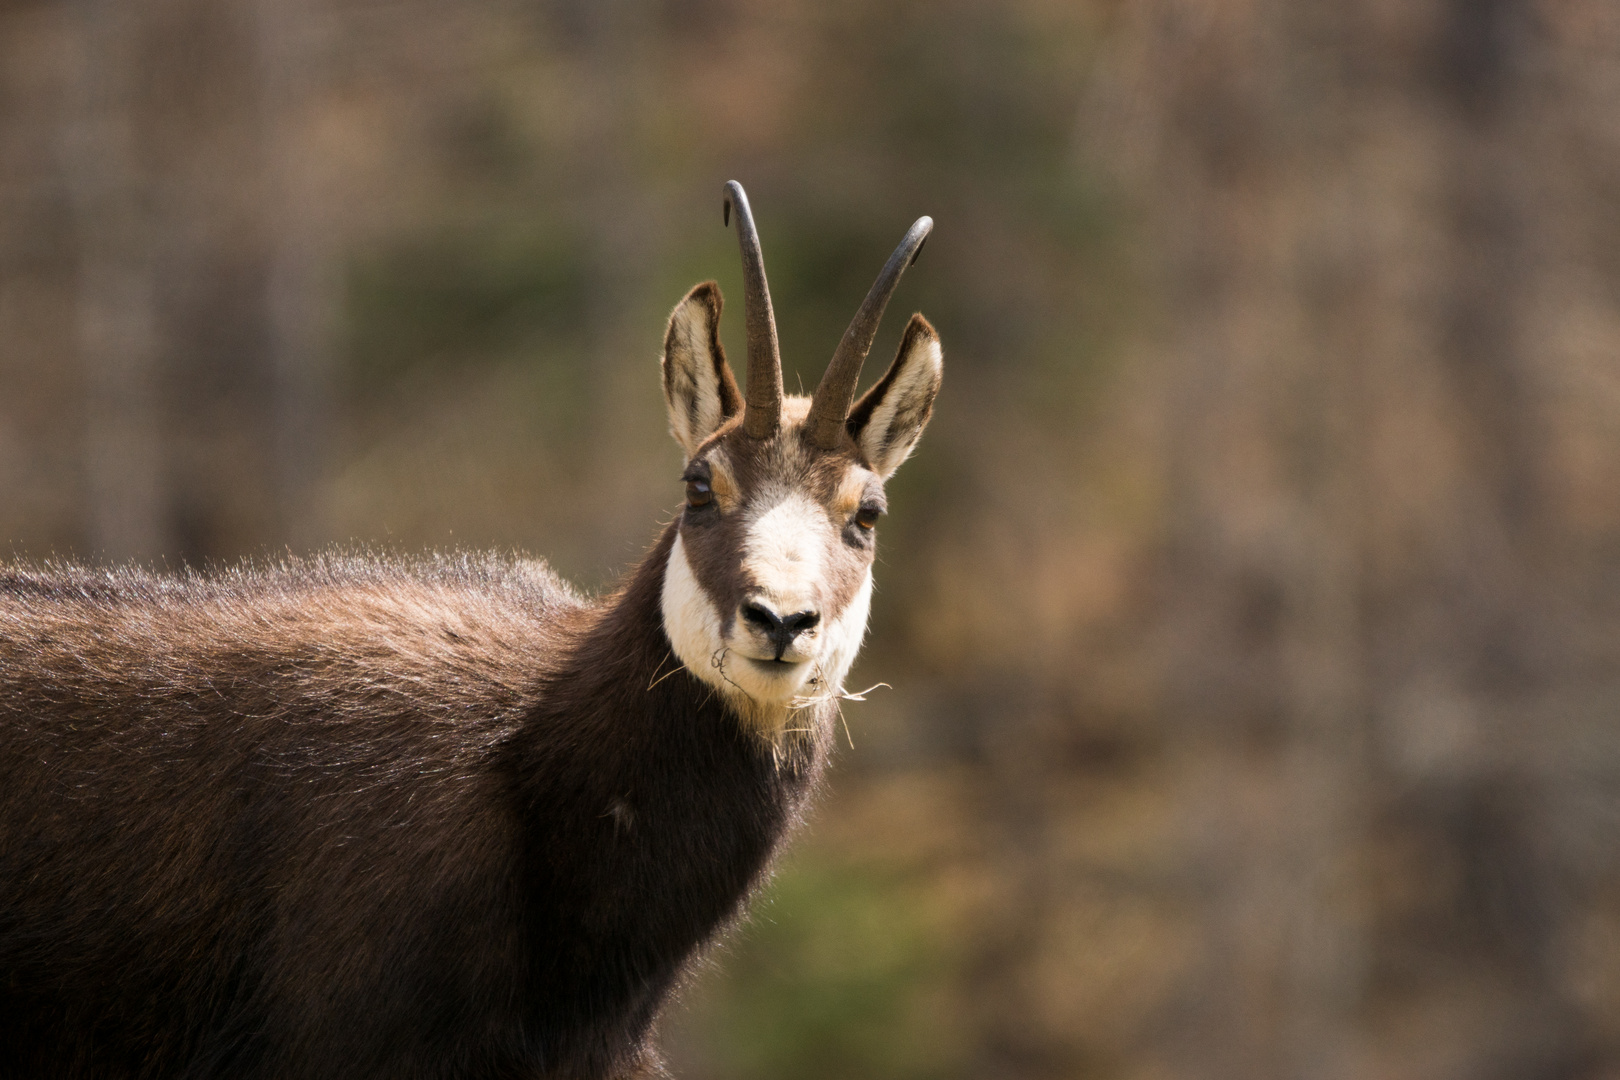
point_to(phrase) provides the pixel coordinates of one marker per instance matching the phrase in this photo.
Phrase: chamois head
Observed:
(769, 580)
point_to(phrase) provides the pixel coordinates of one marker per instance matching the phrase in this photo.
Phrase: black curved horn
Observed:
(762, 414)
(830, 406)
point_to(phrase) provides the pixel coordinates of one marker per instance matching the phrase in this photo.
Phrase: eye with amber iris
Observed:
(867, 516)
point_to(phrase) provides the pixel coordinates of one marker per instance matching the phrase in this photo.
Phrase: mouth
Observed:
(776, 668)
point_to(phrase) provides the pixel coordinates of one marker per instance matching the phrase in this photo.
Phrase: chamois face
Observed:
(768, 584)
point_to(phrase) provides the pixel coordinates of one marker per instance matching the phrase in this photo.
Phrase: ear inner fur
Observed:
(902, 418)
(699, 387)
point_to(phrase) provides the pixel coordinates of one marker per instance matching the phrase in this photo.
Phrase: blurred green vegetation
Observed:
(840, 970)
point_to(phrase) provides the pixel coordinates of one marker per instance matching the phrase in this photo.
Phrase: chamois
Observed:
(356, 817)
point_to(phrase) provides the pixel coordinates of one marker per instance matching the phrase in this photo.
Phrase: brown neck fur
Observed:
(674, 796)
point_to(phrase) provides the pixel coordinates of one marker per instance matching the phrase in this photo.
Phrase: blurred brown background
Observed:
(1252, 608)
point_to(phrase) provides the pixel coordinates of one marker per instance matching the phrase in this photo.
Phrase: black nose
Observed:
(781, 631)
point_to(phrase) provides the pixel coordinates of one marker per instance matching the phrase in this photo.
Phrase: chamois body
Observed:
(357, 817)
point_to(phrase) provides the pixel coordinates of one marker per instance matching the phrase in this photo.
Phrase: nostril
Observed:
(761, 617)
(798, 624)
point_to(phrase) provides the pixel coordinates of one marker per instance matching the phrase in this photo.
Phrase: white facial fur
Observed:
(690, 619)
(782, 557)
(722, 660)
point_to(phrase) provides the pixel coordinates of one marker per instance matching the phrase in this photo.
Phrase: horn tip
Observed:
(918, 234)
(734, 194)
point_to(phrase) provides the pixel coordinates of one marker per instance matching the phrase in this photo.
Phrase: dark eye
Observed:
(699, 493)
(867, 516)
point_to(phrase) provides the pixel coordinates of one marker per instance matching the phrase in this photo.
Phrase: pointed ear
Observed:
(889, 418)
(698, 385)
